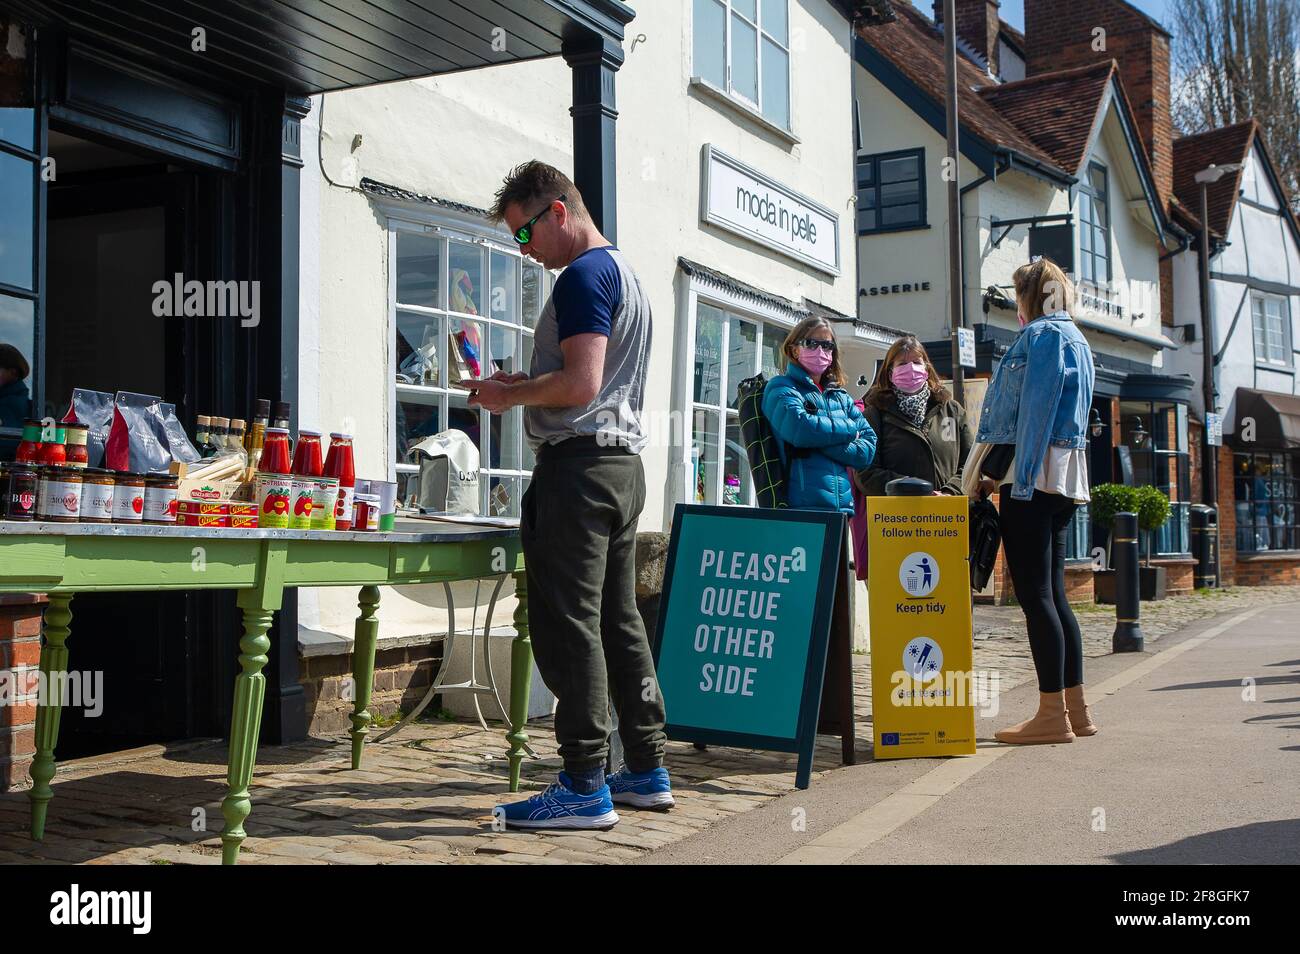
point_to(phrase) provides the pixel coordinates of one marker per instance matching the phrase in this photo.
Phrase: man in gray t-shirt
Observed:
(582, 403)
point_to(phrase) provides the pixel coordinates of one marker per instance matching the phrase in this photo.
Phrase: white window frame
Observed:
(692, 290)
(730, 91)
(1085, 188)
(464, 228)
(1259, 302)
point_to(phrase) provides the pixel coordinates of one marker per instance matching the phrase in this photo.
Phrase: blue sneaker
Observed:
(642, 789)
(561, 807)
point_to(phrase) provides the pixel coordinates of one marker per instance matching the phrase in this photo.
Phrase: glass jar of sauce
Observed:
(161, 494)
(339, 463)
(29, 450)
(75, 445)
(128, 498)
(97, 495)
(61, 502)
(20, 492)
(307, 455)
(53, 451)
(275, 452)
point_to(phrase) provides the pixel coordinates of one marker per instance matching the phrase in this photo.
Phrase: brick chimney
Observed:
(1060, 35)
(978, 24)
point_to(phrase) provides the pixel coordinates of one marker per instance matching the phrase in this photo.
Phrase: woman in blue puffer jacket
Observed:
(819, 428)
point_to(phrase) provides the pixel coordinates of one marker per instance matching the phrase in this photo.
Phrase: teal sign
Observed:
(740, 649)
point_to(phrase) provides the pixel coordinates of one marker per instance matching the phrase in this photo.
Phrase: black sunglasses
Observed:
(817, 343)
(524, 234)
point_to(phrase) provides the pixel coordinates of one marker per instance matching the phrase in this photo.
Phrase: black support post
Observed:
(1128, 605)
(594, 61)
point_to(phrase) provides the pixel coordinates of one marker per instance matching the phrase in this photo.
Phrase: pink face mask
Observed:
(909, 378)
(815, 361)
(1021, 319)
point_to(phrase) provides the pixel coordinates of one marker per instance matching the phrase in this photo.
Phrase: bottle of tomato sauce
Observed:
(339, 463)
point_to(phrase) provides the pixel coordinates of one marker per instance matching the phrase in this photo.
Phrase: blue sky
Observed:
(1013, 11)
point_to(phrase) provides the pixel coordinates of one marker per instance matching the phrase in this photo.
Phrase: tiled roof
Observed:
(1218, 146)
(914, 47)
(1056, 110)
(396, 192)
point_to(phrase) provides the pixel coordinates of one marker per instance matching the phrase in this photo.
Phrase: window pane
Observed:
(503, 497)
(503, 350)
(507, 435)
(710, 42)
(748, 8)
(416, 420)
(1097, 179)
(708, 355)
(17, 217)
(866, 171)
(900, 215)
(775, 19)
(704, 458)
(503, 302)
(866, 220)
(744, 59)
(18, 126)
(776, 84)
(466, 277)
(462, 417)
(737, 487)
(773, 361)
(464, 350)
(897, 193)
(420, 349)
(419, 269)
(17, 328)
(899, 169)
(532, 294)
(743, 348)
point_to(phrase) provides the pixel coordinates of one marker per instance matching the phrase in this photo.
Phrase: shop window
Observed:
(728, 349)
(1265, 496)
(891, 191)
(464, 307)
(1269, 316)
(1094, 227)
(742, 47)
(1078, 537)
(20, 186)
(1154, 436)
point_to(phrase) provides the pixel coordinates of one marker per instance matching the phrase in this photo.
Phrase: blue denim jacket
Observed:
(1040, 396)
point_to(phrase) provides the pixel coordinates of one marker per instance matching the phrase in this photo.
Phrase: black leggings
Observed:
(1033, 535)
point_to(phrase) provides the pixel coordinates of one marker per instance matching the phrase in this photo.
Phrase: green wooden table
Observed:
(61, 560)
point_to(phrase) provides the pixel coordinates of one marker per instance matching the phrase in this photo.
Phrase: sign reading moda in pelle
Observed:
(740, 649)
(922, 692)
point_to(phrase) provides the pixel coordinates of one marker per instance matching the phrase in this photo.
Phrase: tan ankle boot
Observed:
(1049, 726)
(1077, 710)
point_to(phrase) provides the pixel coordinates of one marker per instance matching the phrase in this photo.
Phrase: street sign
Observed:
(923, 690)
(966, 346)
(1214, 429)
(741, 646)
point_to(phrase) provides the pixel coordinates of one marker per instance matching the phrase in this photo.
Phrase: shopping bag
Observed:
(449, 473)
(95, 410)
(145, 436)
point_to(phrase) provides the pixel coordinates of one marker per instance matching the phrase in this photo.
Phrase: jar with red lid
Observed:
(307, 455)
(339, 463)
(275, 452)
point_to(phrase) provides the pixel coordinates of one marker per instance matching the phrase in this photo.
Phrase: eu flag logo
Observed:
(889, 738)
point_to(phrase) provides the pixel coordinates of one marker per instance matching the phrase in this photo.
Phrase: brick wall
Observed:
(402, 675)
(977, 24)
(1227, 520)
(20, 659)
(1061, 35)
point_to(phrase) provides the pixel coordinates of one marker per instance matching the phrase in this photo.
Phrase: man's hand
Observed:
(494, 394)
(986, 487)
(509, 377)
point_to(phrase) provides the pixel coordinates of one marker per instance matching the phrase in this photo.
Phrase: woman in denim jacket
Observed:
(1039, 403)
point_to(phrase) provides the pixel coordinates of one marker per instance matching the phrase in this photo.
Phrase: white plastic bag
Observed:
(449, 473)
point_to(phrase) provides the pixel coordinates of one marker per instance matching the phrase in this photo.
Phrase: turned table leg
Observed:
(245, 724)
(521, 675)
(49, 706)
(363, 669)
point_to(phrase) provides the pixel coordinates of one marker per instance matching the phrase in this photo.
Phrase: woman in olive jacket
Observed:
(920, 430)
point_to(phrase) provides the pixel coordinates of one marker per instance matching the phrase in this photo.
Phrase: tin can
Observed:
(324, 497)
(61, 502)
(97, 495)
(190, 513)
(160, 499)
(243, 516)
(301, 502)
(366, 513)
(128, 498)
(274, 493)
(20, 497)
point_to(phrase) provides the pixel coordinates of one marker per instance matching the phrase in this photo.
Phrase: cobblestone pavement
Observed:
(426, 797)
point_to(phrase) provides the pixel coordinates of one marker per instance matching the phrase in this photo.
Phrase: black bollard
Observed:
(909, 487)
(1128, 606)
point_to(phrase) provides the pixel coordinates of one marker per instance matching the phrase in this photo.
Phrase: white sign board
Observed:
(1214, 429)
(966, 347)
(744, 201)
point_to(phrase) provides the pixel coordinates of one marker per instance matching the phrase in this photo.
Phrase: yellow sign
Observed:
(923, 690)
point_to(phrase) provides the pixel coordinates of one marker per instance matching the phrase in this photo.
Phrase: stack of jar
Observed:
(49, 480)
(305, 493)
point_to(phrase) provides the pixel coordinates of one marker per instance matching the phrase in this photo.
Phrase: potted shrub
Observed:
(1107, 501)
(1152, 513)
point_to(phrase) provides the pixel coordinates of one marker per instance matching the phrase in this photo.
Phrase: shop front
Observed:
(150, 241)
